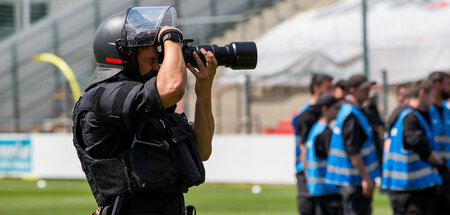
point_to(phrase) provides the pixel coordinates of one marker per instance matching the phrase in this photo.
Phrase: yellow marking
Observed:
(65, 70)
(30, 178)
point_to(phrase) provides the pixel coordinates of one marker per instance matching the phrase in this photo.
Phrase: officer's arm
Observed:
(303, 153)
(414, 138)
(203, 126)
(303, 132)
(322, 143)
(306, 123)
(435, 159)
(353, 141)
(358, 163)
(171, 79)
(367, 184)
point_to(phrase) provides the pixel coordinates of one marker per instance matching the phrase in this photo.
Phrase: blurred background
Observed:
(391, 41)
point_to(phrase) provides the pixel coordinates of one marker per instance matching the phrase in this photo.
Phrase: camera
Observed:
(236, 55)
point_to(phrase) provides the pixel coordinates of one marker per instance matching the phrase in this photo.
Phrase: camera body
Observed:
(236, 55)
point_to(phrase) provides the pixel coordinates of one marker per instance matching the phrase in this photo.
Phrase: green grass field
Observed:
(19, 197)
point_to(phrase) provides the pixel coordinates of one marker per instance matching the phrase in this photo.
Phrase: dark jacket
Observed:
(128, 143)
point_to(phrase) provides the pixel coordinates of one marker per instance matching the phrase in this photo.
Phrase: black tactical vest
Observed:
(163, 156)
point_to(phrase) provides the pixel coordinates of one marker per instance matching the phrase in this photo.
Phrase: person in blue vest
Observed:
(440, 112)
(411, 164)
(402, 99)
(352, 160)
(302, 123)
(440, 127)
(326, 198)
(370, 110)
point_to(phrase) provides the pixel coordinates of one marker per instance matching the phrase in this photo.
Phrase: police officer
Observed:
(302, 123)
(440, 126)
(370, 110)
(326, 197)
(402, 99)
(440, 112)
(352, 160)
(411, 166)
(139, 156)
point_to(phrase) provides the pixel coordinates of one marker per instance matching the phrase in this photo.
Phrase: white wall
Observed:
(252, 159)
(54, 156)
(265, 159)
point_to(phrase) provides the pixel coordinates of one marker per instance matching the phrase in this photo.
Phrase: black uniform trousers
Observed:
(153, 204)
(417, 202)
(305, 202)
(443, 200)
(353, 201)
(328, 205)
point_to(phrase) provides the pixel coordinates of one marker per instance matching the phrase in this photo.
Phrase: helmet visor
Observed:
(143, 23)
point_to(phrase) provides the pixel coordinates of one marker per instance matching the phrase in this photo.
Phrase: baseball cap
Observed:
(341, 84)
(358, 81)
(327, 100)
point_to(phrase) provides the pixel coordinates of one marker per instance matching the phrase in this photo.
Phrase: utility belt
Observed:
(163, 158)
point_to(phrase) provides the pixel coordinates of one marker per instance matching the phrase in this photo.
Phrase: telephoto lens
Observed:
(236, 55)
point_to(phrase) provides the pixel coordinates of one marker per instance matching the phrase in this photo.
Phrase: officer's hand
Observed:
(164, 28)
(205, 74)
(367, 187)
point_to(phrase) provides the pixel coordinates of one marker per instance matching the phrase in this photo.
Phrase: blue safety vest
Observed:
(298, 164)
(440, 127)
(316, 167)
(404, 169)
(340, 171)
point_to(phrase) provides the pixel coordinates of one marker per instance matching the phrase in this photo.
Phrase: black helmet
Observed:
(107, 34)
(118, 36)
